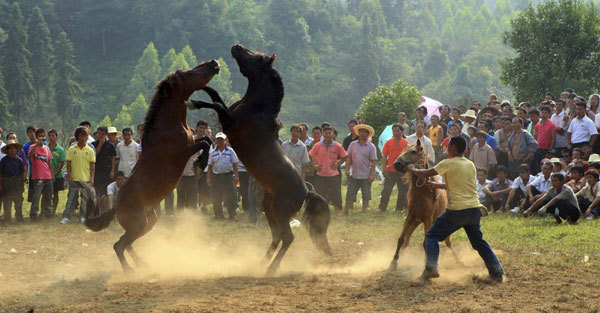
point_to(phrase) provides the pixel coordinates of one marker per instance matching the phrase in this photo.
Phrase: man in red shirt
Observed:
(392, 149)
(326, 157)
(41, 175)
(545, 135)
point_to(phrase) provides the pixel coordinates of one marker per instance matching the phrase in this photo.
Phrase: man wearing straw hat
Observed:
(469, 119)
(12, 178)
(362, 156)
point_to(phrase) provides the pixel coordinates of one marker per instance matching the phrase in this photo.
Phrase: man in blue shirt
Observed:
(222, 175)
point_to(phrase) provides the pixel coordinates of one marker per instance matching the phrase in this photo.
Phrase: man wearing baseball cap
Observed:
(222, 175)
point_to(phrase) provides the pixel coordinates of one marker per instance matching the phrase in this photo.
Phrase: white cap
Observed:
(221, 135)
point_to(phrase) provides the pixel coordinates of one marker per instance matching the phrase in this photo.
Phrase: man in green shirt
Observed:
(58, 161)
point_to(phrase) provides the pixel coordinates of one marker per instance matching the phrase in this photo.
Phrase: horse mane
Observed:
(164, 89)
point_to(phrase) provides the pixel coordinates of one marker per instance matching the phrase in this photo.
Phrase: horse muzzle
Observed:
(400, 165)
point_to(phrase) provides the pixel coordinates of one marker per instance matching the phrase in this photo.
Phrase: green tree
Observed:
(106, 121)
(380, 107)
(557, 46)
(16, 64)
(167, 60)
(40, 45)
(5, 117)
(190, 58)
(179, 63)
(123, 119)
(66, 88)
(138, 109)
(145, 74)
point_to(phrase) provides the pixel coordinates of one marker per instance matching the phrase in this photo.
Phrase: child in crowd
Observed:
(559, 201)
(498, 189)
(482, 182)
(589, 196)
(518, 190)
(482, 154)
(577, 178)
(13, 179)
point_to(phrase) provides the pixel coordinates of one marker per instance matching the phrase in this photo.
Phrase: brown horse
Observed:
(252, 126)
(425, 204)
(167, 145)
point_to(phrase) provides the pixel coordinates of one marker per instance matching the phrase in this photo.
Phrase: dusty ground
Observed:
(198, 265)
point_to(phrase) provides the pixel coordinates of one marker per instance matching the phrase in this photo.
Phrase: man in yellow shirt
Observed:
(80, 169)
(463, 209)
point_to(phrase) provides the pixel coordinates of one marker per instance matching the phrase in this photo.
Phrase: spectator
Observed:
(326, 158)
(425, 142)
(392, 149)
(501, 137)
(559, 166)
(482, 182)
(58, 162)
(187, 191)
(203, 188)
(310, 173)
(402, 121)
(112, 136)
(352, 135)
(296, 151)
(545, 134)
(587, 150)
(485, 127)
(540, 184)
(360, 167)
(12, 178)
(2, 144)
(112, 190)
(581, 130)
(32, 141)
(561, 123)
(469, 119)
(21, 154)
(80, 169)
(445, 118)
(498, 189)
(304, 136)
(578, 179)
(521, 147)
(140, 131)
(559, 201)
(421, 116)
(127, 152)
(522, 113)
(222, 177)
(518, 190)
(105, 162)
(435, 133)
(534, 117)
(589, 196)
(90, 138)
(482, 154)
(41, 175)
(242, 186)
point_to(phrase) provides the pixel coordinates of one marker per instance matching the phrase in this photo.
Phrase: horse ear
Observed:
(272, 58)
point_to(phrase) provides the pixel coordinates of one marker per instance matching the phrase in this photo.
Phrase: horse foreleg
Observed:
(287, 238)
(410, 224)
(214, 96)
(224, 117)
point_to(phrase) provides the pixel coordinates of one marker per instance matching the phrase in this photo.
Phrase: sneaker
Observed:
(82, 220)
(516, 210)
(65, 220)
(430, 273)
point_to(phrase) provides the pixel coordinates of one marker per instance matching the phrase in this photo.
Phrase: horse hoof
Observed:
(393, 266)
(271, 271)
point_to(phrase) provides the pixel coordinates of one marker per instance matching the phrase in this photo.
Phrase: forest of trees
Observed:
(69, 60)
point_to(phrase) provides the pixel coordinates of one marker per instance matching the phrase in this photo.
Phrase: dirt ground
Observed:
(199, 265)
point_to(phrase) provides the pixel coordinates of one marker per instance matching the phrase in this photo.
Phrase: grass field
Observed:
(201, 265)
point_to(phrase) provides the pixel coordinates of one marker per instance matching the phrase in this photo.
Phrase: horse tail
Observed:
(92, 221)
(316, 218)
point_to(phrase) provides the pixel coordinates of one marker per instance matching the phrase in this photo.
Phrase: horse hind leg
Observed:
(134, 226)
(139, 262)
(410, 224)
(275, 231)
(287, 237)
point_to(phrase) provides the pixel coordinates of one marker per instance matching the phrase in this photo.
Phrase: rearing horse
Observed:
(167, 145)
(252, 126)
(425, 204)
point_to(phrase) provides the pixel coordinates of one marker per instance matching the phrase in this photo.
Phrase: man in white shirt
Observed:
(540, 184)
(112, 190)
(222, 177)
(127, 152)
(425, 142)
(295, 150)
(518, 188)
(561, 121)
(582, 129)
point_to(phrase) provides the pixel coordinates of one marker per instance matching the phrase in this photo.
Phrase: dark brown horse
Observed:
(167, 145)
(425, 204)
(252, 126)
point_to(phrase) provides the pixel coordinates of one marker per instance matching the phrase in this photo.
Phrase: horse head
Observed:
(251, 63)
(186, 82)
(412, 155)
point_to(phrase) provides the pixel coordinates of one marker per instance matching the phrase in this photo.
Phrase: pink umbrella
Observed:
(432, 106)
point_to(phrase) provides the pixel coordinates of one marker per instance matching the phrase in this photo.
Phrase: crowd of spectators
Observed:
(529, 158)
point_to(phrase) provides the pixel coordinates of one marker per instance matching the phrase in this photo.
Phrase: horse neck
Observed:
(172, 108)
(266, 87)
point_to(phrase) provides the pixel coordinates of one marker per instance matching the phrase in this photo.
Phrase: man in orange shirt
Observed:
(392, 149)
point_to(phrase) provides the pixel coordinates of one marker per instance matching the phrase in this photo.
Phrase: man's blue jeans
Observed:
(72, 196)
(451, 221)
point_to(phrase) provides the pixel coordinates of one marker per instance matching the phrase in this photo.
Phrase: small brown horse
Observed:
(425, 204)
(252, 126)
(167, 145)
